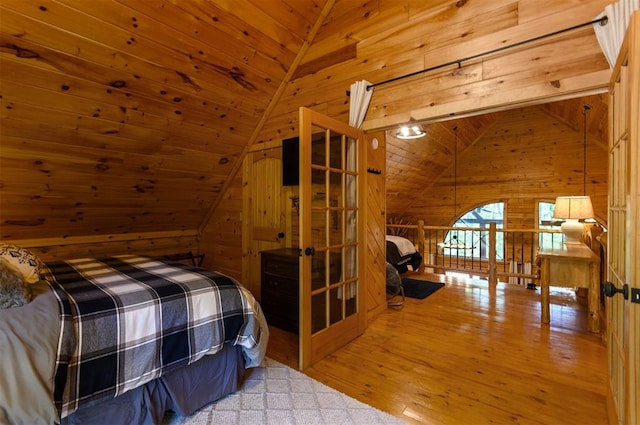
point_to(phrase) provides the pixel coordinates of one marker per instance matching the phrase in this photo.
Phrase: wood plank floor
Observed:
(469, 354)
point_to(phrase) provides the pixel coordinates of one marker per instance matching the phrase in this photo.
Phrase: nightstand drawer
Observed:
(279, 284)
(279, 266)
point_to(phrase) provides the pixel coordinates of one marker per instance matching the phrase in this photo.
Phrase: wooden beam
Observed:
(535, 94)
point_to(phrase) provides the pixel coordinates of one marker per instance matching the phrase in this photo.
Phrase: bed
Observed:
(123, 339)
(401, 253)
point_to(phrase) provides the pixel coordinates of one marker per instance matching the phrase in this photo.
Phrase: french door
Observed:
(623, 263)
(332, 187)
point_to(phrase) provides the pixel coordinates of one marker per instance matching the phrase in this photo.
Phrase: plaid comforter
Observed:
(126, 320)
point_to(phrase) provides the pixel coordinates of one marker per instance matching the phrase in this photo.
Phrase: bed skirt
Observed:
(183, 391)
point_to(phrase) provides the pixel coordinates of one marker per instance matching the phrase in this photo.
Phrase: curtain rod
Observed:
(603, 21)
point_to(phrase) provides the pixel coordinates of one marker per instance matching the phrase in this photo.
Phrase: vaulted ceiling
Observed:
(121, 116)
(414, 165)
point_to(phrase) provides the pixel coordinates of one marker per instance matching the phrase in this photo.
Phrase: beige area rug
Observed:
(276, 394)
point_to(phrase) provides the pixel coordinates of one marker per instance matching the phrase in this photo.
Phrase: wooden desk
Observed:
(574, 267)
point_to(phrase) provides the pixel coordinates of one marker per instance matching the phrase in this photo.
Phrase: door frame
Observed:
(251, 259)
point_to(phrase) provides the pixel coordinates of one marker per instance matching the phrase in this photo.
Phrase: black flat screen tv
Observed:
(290, 162)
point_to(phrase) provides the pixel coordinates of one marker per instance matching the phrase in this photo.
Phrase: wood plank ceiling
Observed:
(130, 116)
(123, 116)
(414, 165)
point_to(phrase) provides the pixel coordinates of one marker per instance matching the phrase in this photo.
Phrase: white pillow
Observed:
(23, 261)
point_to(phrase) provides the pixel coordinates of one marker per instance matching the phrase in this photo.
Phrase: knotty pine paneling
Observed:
(415, 163)
(125, 116)
(94, 38)
(456, 85)
(423, 31)
(221, 239)
(524, 156)
(151, 244)
(121, 116)
(375, 262)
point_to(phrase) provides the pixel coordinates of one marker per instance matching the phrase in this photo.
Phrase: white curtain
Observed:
(359, 100)
(611, 35)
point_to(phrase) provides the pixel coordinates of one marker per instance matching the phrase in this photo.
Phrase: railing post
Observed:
(421, 248)
(493, 277)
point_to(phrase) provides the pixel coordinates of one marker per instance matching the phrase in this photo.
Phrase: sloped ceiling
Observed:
(414, 165)
(122, 116)
(130, 116)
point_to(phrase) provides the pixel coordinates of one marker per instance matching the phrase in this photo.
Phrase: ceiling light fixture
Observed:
(410, 132)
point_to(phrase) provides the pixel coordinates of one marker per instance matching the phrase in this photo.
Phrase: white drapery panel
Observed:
(611, 35)
(359, 99)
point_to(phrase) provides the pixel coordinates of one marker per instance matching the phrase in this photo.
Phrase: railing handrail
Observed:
(525, 246)
(499, 229)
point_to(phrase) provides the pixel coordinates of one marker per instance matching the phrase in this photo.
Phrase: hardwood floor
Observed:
(469, 354)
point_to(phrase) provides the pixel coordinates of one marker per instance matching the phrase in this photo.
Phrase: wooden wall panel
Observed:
(151, 244)
(125, 117)
(525, 156)
(222, 237)
(375, 273)
(135, 114)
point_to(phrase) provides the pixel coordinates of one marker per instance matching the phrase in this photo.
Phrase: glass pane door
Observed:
(332, 311)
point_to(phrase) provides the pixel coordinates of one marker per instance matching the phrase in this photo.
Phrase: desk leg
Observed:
(544, 290)
(594, 298)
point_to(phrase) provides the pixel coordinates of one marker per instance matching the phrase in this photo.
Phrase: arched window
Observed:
(475, 244)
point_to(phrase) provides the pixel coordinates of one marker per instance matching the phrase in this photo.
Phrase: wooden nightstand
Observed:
(574, 266)
(279, 287)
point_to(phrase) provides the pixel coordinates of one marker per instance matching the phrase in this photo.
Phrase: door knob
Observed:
(309, 251)
(610, 290)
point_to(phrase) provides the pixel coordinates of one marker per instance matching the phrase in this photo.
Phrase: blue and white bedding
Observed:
(126, 320)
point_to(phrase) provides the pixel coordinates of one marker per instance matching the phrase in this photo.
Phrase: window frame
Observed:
(477, 249)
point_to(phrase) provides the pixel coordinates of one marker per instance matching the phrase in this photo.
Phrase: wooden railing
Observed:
(507, 255)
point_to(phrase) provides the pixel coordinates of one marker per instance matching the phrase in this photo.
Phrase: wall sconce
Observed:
(410, 132)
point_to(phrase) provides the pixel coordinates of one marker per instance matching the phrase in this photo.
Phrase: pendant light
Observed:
(455, 171)
(584, 150)
(413, 131)
(575, 208)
